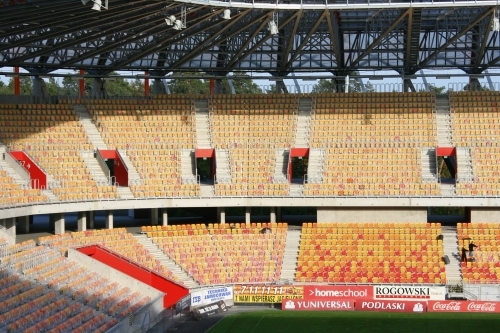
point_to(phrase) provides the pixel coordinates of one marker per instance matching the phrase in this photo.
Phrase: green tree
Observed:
(189, 86)
(439, 91)
(5, 89)
(243, 85)
(52, 86)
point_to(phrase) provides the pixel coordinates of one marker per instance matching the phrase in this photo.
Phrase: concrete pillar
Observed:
(272, 215)
(39, 87)
(90, 219)
(59, 224)
(10, 226)
(221, 215)
(278, 214)
(109, 219)
(164, 216)
(153, 216)
(247, 214)
(52, 221)
(98, 88)
(24, 224)
(82, 221)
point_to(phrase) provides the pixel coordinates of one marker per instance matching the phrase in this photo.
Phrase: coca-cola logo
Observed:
(482, 307)
(449, 306)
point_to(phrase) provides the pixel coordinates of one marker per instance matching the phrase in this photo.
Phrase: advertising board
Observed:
(211, 295)
(318, 305)
(205, 311)
(183, 303)
(338, 292)
(391, 306)
(266, 293)
(463, 306)
(409, 292)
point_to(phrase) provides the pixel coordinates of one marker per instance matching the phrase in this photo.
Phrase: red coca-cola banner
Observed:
(391, 306)
(463, 306)
(318, 305)
(338, 292)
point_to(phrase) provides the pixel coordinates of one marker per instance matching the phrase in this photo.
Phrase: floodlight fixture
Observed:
(495, 22)
(178, 25)
(170, 20)
(85, 2)
(97, 4)
(273, 24)
(227, 14)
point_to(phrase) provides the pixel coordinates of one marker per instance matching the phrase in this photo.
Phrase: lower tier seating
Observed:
(371, 253)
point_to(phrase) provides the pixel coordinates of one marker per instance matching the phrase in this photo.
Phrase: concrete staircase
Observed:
(443, 122)
(281, 166)
(206, 190)
(133, 176)
(125, 192)
(188, 166)
(89, 127)
(450, 245)
(21, 180)
(428, 163)
(296, 190)
(203, 139)
(447, 189)
(166, 261)
(303, 123)
(95, 169)
(50, 195)
(290, 256)
(223, 171)
(315, 166)
(464, 165)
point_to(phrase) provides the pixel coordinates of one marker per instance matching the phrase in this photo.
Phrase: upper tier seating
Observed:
(475, 119)
(117, 240)
(485, 266)
(12, 194)
(225, 254)
(253, 128)
(152, 132)
(486, 176)
(54, 138)
(372, 144)
(371, 253)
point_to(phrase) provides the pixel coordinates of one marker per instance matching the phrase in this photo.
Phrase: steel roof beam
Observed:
(200, 48)
(463, 31)
(408, 41)
(479, 57)
(335, 37)
(286, 52)
(306, 39)
(377, 41)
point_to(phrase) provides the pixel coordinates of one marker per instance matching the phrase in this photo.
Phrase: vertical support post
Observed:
(59, 224)
(90, 219)
(247, 214)
(82, 221)
(164, 218)
(109, 219)
(10, 224)
(24, 224)
(146, 85)
(221, 215)
(81, 82)
(212, 86)
(272, 214)
(52, 222)
(153, 216)
(17, 82)
(278, 214)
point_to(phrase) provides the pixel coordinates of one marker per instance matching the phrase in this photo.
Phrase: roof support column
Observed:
(98, 89)
(281, 87)
(474, 84)
(39, 88)
(158, 87)
(146, 85)
(17, 82)
(339, 84)
(408, 85)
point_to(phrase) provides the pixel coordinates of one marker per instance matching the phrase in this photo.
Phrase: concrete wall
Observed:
(486, 214)
(10, 240)
(123, 279)
(361, 214)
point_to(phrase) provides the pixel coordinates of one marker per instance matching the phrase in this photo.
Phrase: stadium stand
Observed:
(371, 253)
(53, 137)
(117, 240)
(163, 126)
(218, 253)
(12, 194)
(252, 128)
(484, 267)
(373, 143)
(43, 291)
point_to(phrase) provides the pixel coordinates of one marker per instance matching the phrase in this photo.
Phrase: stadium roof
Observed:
(337, 36)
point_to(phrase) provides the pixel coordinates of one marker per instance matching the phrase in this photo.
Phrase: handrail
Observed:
(102, 164)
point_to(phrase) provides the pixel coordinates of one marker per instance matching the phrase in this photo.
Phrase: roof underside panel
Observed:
(46, 35)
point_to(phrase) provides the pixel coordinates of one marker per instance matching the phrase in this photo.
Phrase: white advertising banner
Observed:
(433, 293)
(206, 296)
